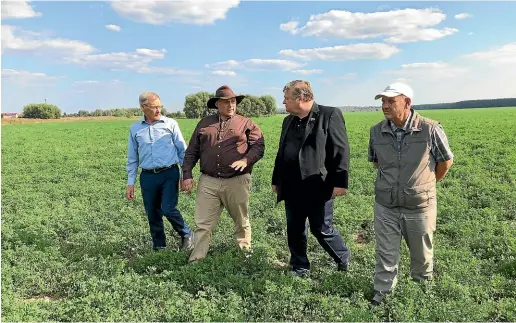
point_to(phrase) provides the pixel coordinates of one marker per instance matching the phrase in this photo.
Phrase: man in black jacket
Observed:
(310, 170)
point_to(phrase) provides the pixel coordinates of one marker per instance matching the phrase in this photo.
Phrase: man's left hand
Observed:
(338, 191)
(239, 165)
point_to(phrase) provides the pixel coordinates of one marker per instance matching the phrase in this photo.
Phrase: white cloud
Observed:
(348, 76)
(24, 77)
(18, 10)
(290, 26)
(256, 65)
(429, 70)
(308, 72)
(344, 52)
(400, 25)
(137, 61)
(502, 56)
(479, 83)
(154, 53)
(95, 82)
(471, 33)
(17, 40)
(413, 35)
(463, 16)
(87, 82)
(113, 27)
(199, 12)
(225, 73)
(340, 78)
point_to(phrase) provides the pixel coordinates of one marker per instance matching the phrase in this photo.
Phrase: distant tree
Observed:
(41, 111)
(83, 113)
(270, 104)
(251, 106)
(176, 115)
(195, 105)
(97, 113)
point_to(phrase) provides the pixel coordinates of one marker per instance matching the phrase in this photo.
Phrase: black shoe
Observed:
(377, 299)
(342, 266)
(301, 272)
(187, 242)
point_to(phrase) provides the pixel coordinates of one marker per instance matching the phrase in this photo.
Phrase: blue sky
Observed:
(102, 55)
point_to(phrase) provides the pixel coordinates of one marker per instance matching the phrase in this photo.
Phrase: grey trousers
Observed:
(417, 228)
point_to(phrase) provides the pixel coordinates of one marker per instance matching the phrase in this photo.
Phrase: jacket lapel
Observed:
(285, 130)
(312, 117)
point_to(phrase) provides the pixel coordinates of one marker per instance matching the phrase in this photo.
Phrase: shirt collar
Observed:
(161, 119)
(405, 126)
(222, 120)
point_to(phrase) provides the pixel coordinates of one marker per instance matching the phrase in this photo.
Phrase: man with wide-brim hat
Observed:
(224, 93)
(227, 145)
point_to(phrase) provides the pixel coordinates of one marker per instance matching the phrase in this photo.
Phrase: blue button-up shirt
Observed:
(154, 145)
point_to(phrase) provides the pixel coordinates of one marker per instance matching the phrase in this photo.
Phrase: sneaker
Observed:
(187, 242)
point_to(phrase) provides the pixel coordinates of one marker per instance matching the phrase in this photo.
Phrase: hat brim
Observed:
(387, 94)
(211, 102)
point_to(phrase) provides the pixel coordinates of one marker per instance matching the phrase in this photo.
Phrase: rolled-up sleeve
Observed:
(192, 153)
(132, 159)
(256, 143)
(440, 146)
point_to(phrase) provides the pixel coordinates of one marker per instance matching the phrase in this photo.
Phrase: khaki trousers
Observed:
(213, 194)
(417, 228)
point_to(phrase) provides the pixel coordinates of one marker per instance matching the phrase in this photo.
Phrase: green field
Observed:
(74, 249)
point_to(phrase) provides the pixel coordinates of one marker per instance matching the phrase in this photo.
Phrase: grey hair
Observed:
(145, 96)
(299, 89)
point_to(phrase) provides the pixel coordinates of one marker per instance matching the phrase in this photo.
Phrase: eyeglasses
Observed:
(154, 107)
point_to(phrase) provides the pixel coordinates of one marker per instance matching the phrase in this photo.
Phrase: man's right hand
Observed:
(187, 184)
(275, 188)
(129, 192)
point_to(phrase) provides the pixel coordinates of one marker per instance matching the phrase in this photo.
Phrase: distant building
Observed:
(10, 115)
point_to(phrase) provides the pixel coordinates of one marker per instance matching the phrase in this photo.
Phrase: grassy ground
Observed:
(74, 249)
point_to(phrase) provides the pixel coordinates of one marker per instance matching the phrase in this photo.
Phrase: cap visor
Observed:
(387, 94)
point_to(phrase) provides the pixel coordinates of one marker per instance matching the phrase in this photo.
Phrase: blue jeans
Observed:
(160, 194)
(320, 217)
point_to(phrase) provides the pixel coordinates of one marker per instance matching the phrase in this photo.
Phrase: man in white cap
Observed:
(411, 154)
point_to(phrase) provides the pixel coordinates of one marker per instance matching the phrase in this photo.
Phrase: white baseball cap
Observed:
(396, 89)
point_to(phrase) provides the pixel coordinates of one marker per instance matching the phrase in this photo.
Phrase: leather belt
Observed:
(159, 169)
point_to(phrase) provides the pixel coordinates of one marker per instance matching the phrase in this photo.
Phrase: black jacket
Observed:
(324, 152)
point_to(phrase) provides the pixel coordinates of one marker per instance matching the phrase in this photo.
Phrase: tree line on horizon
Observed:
(194, 108)
(251, 106)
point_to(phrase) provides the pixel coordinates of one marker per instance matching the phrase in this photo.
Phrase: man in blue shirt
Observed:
(157, 146)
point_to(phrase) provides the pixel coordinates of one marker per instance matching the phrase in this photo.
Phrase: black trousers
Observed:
(320, 216)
